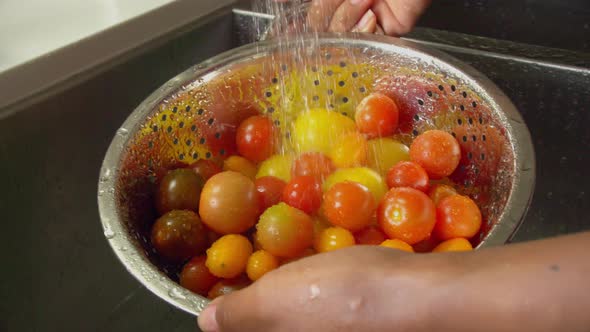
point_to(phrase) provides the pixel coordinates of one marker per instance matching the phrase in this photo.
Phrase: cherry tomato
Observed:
(205, 168)
(313, 164)
(180, 189)
(229, 203)
(303, 193)
(397, 244)
(179, 235)
(318, 130)
(406, 214)
(438, 152)
(349, 205)
(440, 191)
(319, 224)
(226, 286)
(426, 245)
(350, 151)
(370, 236)
(457, 216)
(240, 165)
(284, 231)
(255, 138)
(260, 263)
(195, 276)
(270, 191)
(377, 116)
(278, 166)
(334, 238)
(228, 256)
(408, 174)
(384, 153)
(457, 244)
(363, 175)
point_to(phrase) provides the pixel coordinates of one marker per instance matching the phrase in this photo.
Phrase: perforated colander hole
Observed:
(210, 121)
(454, 135)
(355, 74)
(175, 109)
(328, 56)
(483, 156)
(193, 127)
(330, 73)
(441, 88)
(208, 155)
(341, 83)
(181, 156)
(175, 142)
(461, 107)
(453, 88)
(181, 124)
(480, 120)
(217, 135)
(202, 140)
(163, 117)
(195, 155)
(200, 111)
(344, 113)
(470, 121)
(474, 138)
(188, 142)
(464, 94)
(316, 82)
(415, 132)
(362, 89)
(459, 121)
(314, 69)
(150, 144)
(464, 138)
(470, 156)
(277, 123)
(429, 93)
(222, 152)
(268, 94)
(270, 109)
(155, 128)
(474, 104)
(483, 137)
(315, 98)
(342, 64)
(169, 129)
(330, 92)
(275, 80)
(416, 117)
(284, 67)
(345, 100)
(188, 109)
(420, 102)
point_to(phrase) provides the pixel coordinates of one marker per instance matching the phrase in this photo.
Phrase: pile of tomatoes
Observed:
(347, 182)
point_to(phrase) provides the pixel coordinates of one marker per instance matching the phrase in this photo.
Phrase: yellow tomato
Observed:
(334, 238)
(319, 130)
(384, 153)
(397, 244)
(458, 244)
(278, 166)
(363, 175)
(260, 263)
(350, 151)
(228, 256)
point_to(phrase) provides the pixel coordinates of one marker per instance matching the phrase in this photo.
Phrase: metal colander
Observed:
(195, 115)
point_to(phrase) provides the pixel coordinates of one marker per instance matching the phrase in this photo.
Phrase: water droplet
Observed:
(176, 293)
(123, 248)
(122, 132)
(314, 291)
(111, 190)
(100, 192)
(106, 175)
(109, 233)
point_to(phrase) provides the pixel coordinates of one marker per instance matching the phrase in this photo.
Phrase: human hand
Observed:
(538, 286)
(391, 17)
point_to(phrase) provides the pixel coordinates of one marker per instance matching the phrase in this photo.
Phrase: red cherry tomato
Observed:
(313, 164)
(205, 168)
(370, 236)
(438, 152)
(195, 276)
(377, 116)
(255, 138)
(349, 205)
(457, 216)
(303, 193)
(408, 174)
(270, 190)
(406, 214)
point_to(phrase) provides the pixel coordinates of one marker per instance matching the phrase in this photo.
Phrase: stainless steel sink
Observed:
(60, 274)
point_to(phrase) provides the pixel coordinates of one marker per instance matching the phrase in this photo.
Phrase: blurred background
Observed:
(72, 71)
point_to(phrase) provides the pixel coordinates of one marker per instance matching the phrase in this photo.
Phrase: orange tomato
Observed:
(377, 116)
(260, 263)
(314, 164)
(349, 205)
(228, 256)
(240, 165)
(437, 151)
(226, 286)
(408, 174)
(397, 244)
(334, 238)
(440, 191)
(458, 244)
(406, 214)
(457, 216)
(284, 231)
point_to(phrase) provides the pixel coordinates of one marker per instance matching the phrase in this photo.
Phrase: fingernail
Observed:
(365, 22)
(357, 2)
(207, 320)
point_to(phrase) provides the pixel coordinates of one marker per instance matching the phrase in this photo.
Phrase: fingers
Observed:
(367, 24)
(321, 12)
(397, 17)
(349, 13)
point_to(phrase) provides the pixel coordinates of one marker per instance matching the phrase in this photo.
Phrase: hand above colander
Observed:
(390, 17)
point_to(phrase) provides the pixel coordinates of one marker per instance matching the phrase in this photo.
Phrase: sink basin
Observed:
(62, 274)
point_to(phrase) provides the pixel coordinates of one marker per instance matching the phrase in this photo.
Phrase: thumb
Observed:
(237, 311)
